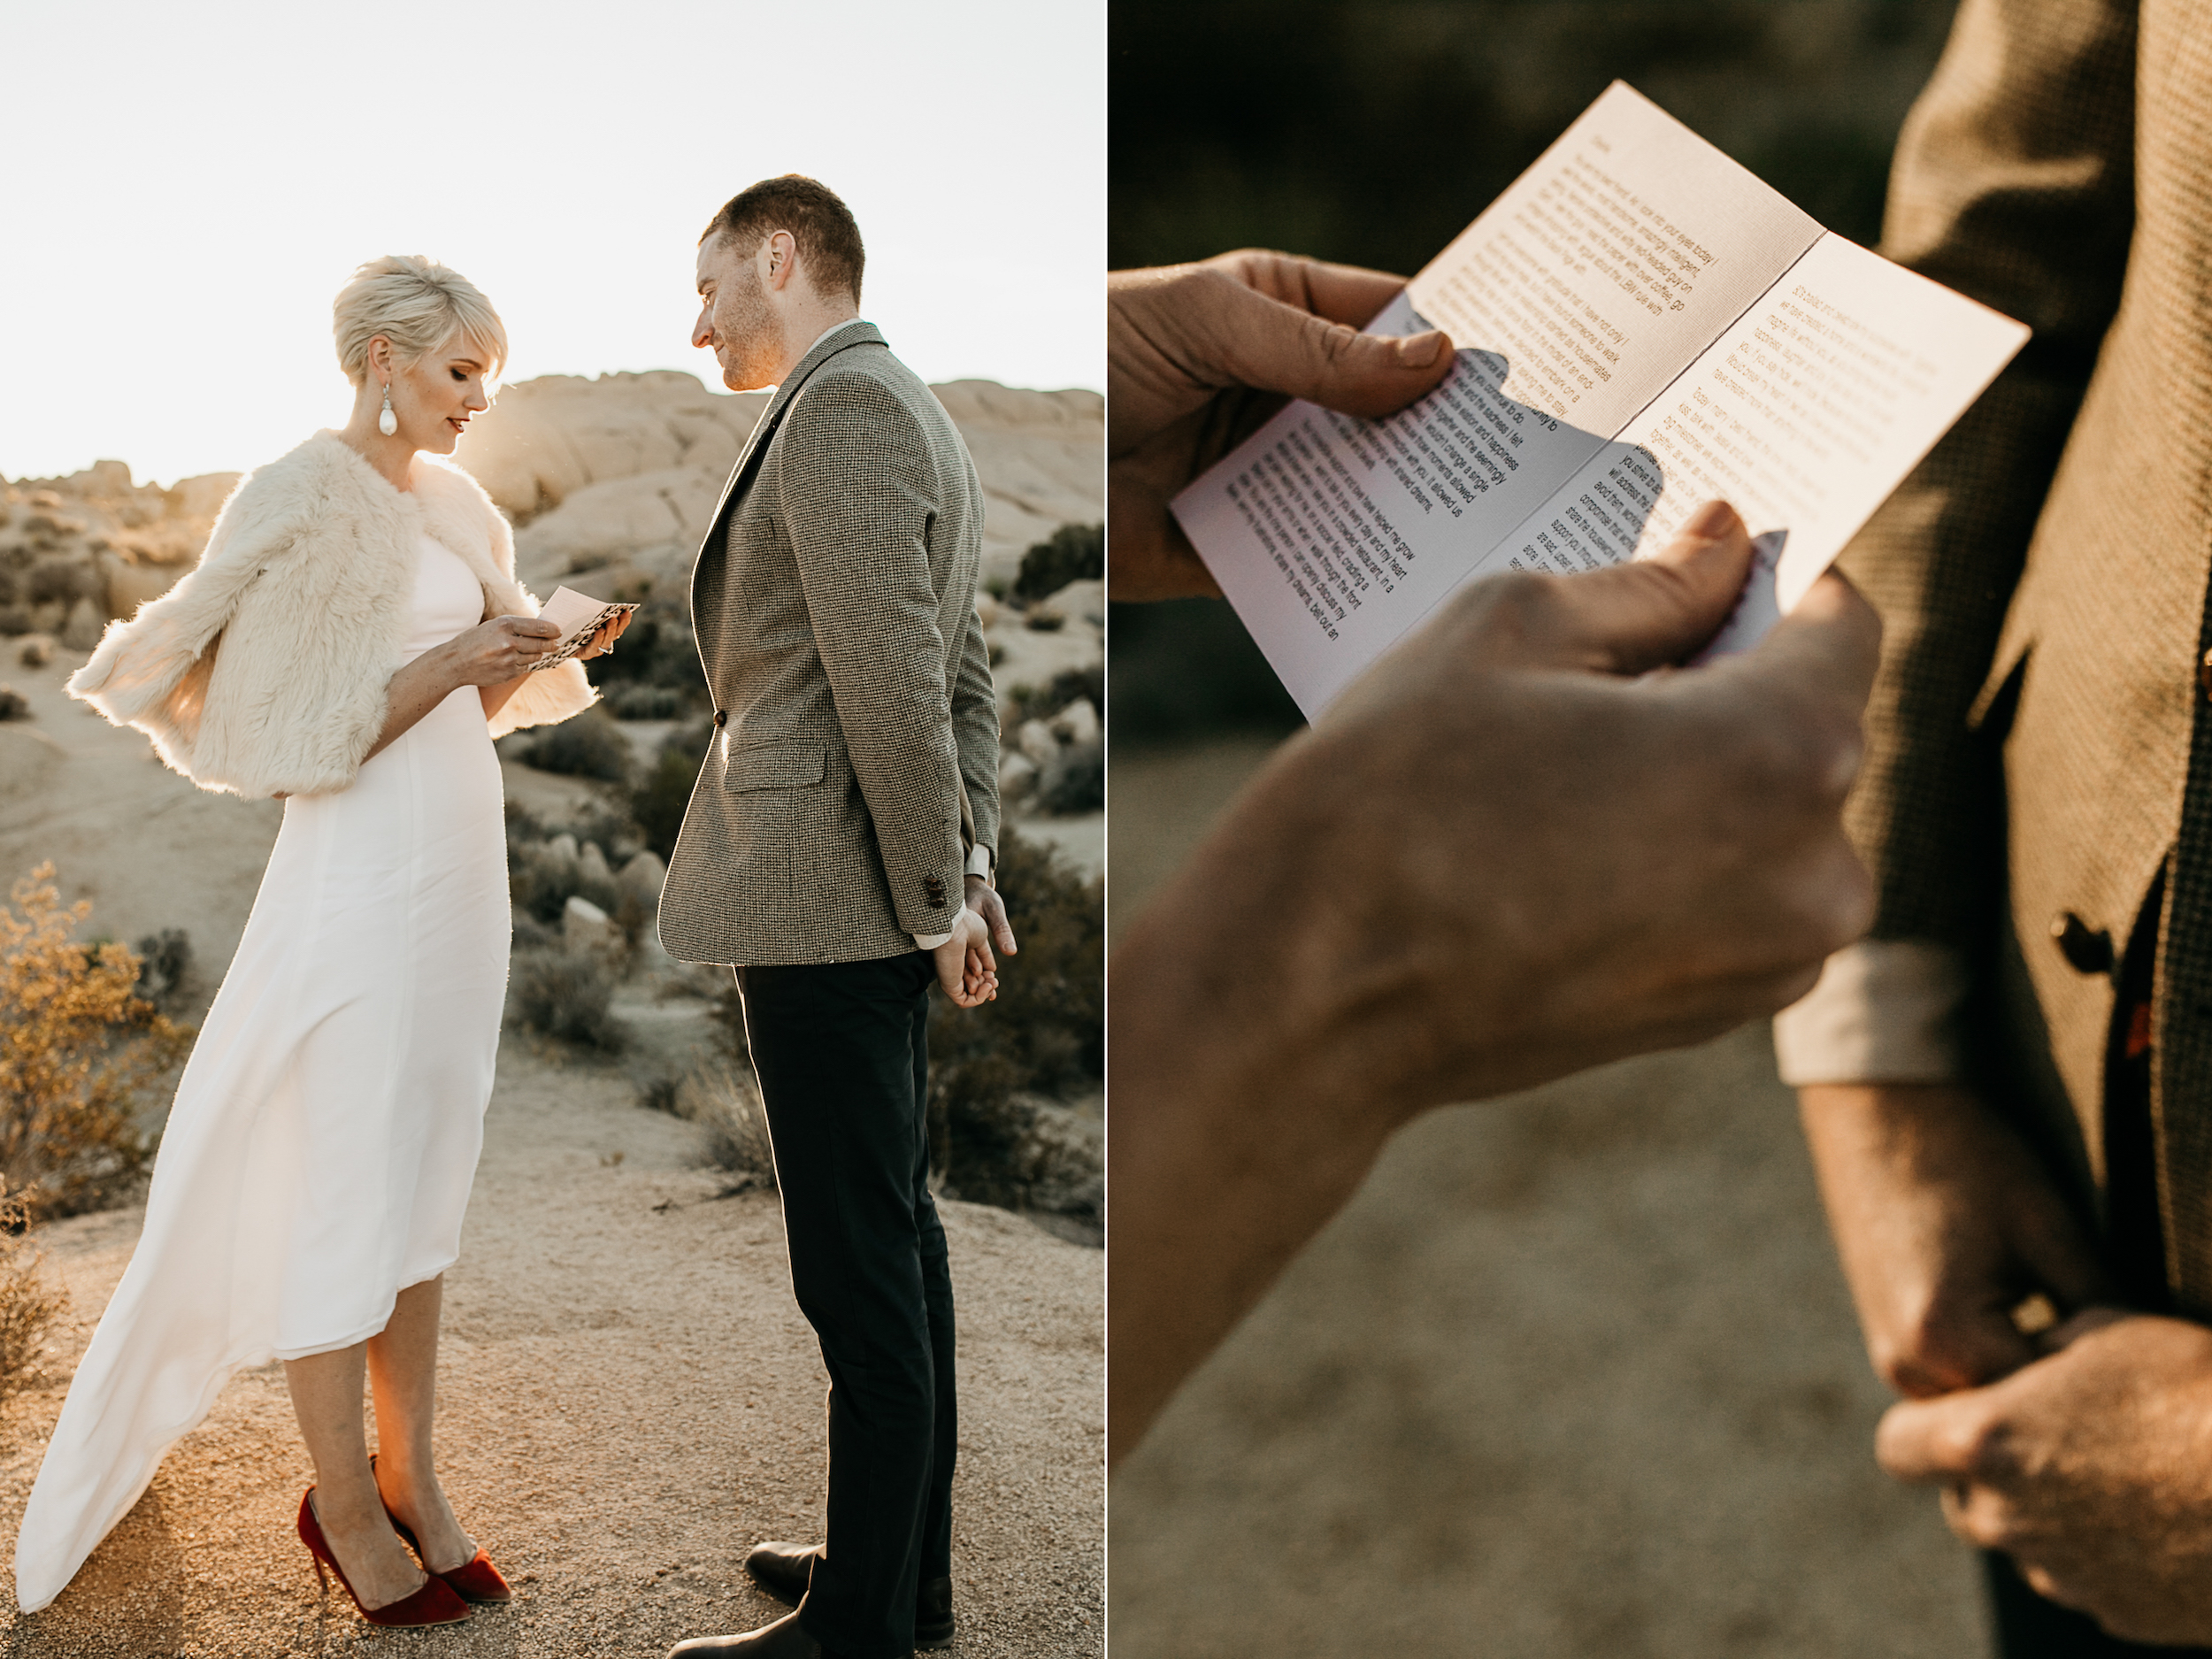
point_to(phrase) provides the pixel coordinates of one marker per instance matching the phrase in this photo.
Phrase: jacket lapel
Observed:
(748, 457)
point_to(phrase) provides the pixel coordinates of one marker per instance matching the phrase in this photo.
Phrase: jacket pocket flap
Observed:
(775, 767)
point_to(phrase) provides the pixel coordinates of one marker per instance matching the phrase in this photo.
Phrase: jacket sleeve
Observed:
(150, 670)
(2014, 184)
(860, 500)
(975, 732)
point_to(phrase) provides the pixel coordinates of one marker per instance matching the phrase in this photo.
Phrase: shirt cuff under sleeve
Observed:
(1885, 1010)
(978, 865)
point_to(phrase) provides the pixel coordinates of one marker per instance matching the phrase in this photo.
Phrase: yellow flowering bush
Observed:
(79, 1049)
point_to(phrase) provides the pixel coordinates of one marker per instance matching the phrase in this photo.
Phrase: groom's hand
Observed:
(983, 899)
(966, 972)
(1510, 851)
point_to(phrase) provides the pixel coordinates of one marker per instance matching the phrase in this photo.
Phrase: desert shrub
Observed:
(1028, 702)
(722, 1101)
(13, 704)
(15, 620)
(1071, 553)
(659, 1090)
(589, 746)
(657, 802)
(567, 994)
(78, 1052)
(530, 934)
(647, 702)
(164, 963)
(656, 655)
(729, 1022)
(29, 1304)
(541, 882)
(1074, 781)
(62, 581)
(1044, 1034)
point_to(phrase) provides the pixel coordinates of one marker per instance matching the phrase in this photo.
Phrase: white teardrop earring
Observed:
(387, 423)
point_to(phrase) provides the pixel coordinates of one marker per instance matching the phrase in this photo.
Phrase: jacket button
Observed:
(934, 890)
(2085, 951)
(721, 716)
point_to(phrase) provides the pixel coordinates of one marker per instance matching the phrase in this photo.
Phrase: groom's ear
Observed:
(779, 257)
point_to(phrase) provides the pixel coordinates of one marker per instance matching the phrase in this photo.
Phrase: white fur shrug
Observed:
(263, 672)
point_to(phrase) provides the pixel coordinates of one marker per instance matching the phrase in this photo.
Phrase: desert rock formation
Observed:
(615, 474)
(621, 473)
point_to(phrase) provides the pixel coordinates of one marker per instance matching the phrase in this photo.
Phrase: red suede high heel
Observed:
(435, 1603)
(475, 1579)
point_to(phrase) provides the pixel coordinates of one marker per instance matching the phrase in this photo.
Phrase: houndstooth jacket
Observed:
(833, 598)
(2039, 737)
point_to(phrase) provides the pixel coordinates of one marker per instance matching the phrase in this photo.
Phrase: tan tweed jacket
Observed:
(835, 601)
(2043, 575)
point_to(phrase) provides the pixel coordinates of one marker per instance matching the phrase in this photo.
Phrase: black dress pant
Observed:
(842, 1052)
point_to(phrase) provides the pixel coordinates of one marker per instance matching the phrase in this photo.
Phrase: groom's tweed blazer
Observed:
(2040, 740)
(835, 601)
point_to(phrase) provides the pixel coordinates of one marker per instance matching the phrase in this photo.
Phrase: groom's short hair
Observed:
(818, 221)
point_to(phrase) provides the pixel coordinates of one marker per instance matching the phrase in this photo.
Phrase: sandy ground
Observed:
(629, 1396)
(1574, 1374)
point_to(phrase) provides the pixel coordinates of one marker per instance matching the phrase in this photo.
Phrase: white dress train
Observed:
(319, 1156)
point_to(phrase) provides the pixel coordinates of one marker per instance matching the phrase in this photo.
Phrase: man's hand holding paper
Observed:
(1519, 846)
(1201, 355)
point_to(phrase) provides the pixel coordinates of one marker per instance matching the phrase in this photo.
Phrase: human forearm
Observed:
(416, 689)
(1519, 876)
(1945, 1222)
(1242, 1118)
(489, 657)
(495, 697)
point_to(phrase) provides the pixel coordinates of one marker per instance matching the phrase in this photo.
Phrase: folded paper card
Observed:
(579, 616)
(1641, 326)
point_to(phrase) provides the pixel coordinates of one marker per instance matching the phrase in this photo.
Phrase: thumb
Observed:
(1277, 348)
(1927, 1441)
(1652, 612)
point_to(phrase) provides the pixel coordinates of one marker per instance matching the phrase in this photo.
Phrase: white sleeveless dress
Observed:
(319, 1157)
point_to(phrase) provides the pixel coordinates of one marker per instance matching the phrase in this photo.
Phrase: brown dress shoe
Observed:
(783, 1570)
(786, 1570)
(783, 1640)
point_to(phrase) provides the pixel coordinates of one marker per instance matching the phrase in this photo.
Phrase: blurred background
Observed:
(1576, 1372)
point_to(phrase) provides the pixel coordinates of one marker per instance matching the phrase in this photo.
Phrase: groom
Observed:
(838, 850)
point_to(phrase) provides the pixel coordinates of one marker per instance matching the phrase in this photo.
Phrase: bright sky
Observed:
(189, 186)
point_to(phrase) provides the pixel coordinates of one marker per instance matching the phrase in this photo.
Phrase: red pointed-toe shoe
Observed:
(435, 1603)
(475, 1581)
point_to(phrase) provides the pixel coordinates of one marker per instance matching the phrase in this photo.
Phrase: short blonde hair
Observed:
(417, 304)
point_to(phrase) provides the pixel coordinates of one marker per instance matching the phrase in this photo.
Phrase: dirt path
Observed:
(628, 1399)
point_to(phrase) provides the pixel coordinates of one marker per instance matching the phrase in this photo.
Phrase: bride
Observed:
(351, 641)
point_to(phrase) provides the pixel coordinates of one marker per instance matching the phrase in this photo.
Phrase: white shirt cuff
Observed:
(1885, 1010)
(978, 865)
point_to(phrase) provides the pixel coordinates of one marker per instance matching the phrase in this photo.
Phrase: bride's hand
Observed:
(602, 641)
(492, 653)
